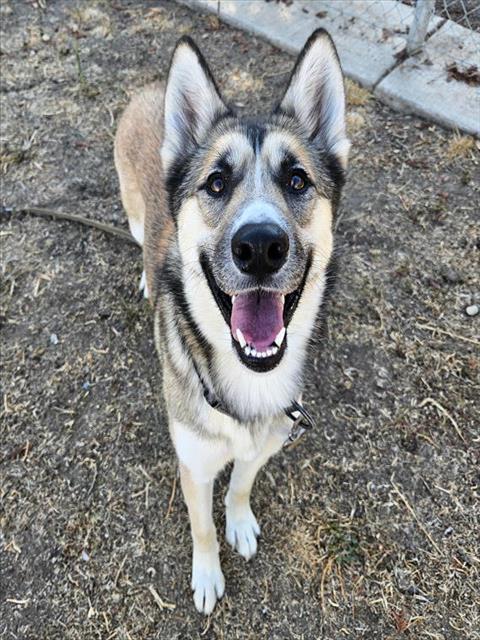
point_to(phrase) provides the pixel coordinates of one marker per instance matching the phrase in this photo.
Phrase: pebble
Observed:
(472, 310)
(53, 338)
(451, 276)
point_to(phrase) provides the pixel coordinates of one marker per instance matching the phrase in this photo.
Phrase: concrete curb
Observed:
(369, 41)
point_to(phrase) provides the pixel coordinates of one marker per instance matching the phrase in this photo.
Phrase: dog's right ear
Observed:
(192, 102)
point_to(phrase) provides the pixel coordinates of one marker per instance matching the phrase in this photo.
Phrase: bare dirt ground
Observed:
(371, 525)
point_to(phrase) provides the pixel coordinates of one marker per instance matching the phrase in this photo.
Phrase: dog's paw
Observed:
(143, 285)
(208, 583)
(242, 531)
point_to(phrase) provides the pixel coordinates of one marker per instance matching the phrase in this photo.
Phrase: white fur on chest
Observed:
(205, 456)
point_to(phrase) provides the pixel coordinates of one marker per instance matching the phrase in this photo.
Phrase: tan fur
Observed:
(137, 159)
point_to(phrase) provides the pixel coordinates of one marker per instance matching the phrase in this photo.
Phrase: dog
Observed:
(235, 216)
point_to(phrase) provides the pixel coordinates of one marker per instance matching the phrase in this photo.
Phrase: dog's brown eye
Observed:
(297, 182)
(215, 184)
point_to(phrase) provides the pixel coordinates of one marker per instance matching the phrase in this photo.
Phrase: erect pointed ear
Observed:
(315, 95)
(192, 102)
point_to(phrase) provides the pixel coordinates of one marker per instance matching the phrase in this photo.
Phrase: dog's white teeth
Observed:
(251, 351)
(233, 299)
(280, 336)
(241, 339)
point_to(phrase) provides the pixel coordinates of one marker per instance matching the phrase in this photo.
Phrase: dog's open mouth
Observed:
(258, 320)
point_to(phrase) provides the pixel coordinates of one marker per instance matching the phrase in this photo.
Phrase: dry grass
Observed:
(356, 120)
(460, 147)
(368, 526)
(357, 96)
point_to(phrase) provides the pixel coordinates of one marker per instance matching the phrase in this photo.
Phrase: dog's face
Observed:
(254, 200)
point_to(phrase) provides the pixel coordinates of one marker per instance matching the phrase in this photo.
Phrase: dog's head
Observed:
(254, 200)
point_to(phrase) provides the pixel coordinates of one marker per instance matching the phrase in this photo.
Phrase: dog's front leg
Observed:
(208, 583)
(242, 528)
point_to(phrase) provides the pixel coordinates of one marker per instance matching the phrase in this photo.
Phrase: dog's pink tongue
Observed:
(259, 316)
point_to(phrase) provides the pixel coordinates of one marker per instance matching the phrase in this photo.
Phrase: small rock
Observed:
(472, 310)
(46, 37)
(53, 338)
(85, 556)
(450, 276)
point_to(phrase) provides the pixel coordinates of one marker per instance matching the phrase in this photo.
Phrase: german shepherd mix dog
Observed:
(235, 218)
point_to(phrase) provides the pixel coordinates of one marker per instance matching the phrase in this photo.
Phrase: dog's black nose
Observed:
(260, 249)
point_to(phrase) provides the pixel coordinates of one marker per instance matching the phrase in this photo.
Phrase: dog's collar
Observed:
(300, 417)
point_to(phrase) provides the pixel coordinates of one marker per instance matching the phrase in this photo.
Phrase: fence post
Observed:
(424, 11)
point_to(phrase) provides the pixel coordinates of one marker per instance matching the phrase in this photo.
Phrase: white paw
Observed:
(143, 285)
(208, 583)
(242, 531)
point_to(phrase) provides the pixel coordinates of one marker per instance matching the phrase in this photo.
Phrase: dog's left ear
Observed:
(315, 95)
(192, 102)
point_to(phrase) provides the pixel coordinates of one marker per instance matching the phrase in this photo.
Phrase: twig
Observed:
(161, 603)
(448, 333)
(94, 479)
(442, 410)
(120, 569)
(207, 626)
(172, 496)
(326, 570)
(73, 217)
(412, 511)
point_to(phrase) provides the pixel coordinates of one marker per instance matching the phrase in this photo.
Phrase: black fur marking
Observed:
(292, 299)
(337, 175)
(319, 337)
(175, 179)
(164, 342)
(222, 300)
(255, 131)
(173, 283)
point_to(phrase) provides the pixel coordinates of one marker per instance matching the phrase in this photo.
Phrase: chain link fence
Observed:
(407, 24)
(465, 59)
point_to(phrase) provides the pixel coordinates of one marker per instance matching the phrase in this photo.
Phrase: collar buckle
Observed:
(302, 422)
